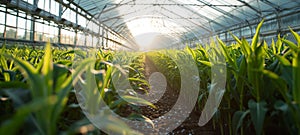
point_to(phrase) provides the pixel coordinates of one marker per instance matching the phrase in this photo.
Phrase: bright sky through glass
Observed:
(146, 30)
(163, 20)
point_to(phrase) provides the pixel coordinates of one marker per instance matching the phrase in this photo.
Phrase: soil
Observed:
(190, 125)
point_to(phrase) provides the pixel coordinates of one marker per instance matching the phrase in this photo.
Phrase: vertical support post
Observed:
(226, 37)
(106, 43)
(4, 33)
(32, 29)
(278, 19)
(76, 30)
(25, 37)
(251, 31)
(59, 26)
(98, 35)
(102, 37)
(17, 24)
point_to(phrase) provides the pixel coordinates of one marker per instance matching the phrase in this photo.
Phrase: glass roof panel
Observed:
(180, 17)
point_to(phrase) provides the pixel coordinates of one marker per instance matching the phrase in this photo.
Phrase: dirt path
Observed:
(190, 125)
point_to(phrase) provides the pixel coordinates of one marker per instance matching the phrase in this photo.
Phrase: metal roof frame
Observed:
(116, 15)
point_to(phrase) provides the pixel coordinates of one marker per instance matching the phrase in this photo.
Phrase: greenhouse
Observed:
(150, 67)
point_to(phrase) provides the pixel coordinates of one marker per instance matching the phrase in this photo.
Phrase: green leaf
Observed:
(68, 53)
(279, 83)
(273, 45)
(189, 50)
(134, 100)
(296, 78)
(36, 81)
(207, 63)
(279, 44)
(140, 117)
(65, 87)
(139, 80)
(3, 64)
(47, 69)
(236, 38)
(60, 74)
(238, 119)
(270, 74)
(23, 112)
(254, 43)
(292, 45)
(296, 36)
(258, 112)
(283, 60)
(226, 54)
(246, 47)
(79, 68)
(114, 124)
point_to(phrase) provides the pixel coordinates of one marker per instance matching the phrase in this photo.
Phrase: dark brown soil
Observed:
(190, 125)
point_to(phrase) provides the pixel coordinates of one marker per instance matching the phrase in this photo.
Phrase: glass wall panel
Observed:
(95, 41)
(20, 27)
(39, 27)
(1, 30)
(73, 16)
(10, 32)
(38, 36)
(21, 34)
(2, 8)
(29, 1)
(246, 31)
(2, 17)
(81, 21)
(89, 40)
(67, 36)
(46, 29)
(27, 34)
(28, 23)
(11, 20)
(41, 4)
(54, 7)
(47, 5)
(80, 38)
(66, 14)
(21, 23)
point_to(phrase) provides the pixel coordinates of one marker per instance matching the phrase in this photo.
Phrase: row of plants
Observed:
(38, 89)
(262, 83)
(38, 86)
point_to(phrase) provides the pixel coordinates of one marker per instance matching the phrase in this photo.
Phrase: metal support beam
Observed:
(200, 26)
(248, 5)
(115, 7)
(276, 7)
(123, 15)
(87, 13)
(206, 18)
(221, 11)
(175, 4)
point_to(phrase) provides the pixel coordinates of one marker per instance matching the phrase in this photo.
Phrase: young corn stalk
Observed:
(295, 50)
(47, 101)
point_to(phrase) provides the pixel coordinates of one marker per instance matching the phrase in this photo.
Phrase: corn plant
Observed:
(262, 80)
(48, 96)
